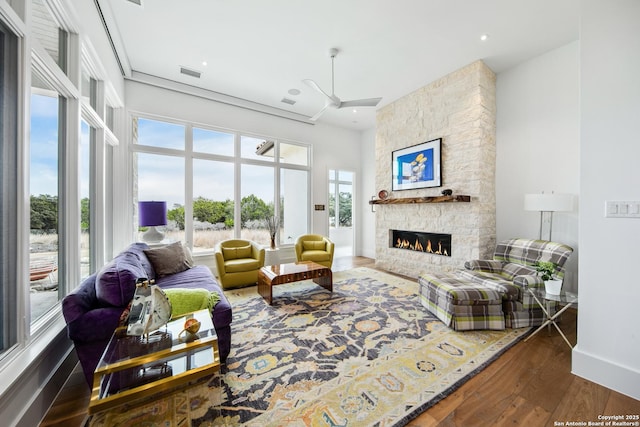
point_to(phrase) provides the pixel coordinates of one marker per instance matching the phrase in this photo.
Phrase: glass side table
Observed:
(132, 368)
(545, 301)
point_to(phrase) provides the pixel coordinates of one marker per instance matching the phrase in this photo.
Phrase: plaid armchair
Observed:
(512, 270)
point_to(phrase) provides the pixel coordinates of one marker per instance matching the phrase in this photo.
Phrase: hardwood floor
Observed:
(529, 385)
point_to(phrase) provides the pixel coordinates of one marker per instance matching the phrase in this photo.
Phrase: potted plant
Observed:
(547, 271)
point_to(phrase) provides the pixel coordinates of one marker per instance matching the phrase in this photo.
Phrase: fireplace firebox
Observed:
(421, 241)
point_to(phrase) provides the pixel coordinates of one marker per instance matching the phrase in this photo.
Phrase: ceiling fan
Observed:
(332, 100)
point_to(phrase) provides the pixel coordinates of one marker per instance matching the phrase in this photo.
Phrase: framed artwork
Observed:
(417, 166)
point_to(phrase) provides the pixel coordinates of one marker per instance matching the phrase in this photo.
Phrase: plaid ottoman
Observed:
(462, 305)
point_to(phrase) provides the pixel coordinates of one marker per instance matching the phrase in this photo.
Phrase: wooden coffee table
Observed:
(273, 275)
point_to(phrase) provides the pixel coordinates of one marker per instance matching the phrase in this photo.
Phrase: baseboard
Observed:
(622, 379)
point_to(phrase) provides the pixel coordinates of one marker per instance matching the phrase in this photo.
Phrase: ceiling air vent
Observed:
(288, 101)
(192, 73)
(138, 2)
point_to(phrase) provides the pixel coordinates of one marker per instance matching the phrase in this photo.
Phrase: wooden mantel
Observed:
(410, 200)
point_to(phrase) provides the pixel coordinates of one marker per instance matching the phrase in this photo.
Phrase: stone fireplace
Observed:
(460, 109)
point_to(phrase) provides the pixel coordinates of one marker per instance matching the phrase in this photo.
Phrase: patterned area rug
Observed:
(367, 354)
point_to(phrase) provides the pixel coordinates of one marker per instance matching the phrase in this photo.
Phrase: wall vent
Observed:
(288, 101)
(192, 73)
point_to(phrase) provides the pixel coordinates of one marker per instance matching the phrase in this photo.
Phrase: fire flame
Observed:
(417, 246)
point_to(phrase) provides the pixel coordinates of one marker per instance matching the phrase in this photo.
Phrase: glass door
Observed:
(341, 211)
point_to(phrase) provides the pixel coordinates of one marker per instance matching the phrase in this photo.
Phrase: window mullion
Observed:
(69, 188)
(97, 222)
(237, 190)
(188, 185)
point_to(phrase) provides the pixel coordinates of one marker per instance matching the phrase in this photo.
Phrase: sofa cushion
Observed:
(316, 256)
(241, 265)
(311, 245)
(169, 259)
(237, 252)
(116, 281)
(492, 281)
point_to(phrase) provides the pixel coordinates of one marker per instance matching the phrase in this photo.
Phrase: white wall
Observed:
(608, 350)
(537, 142)
(333, 147)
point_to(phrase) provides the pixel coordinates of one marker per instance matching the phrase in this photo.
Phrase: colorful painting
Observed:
(417, 166)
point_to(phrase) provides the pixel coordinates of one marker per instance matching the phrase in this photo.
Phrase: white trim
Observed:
(64, 14)
(216, 96)
(11, 20)
(607, 373)
(110, 138)
(19, 358)
(114, 36)
(49, 71)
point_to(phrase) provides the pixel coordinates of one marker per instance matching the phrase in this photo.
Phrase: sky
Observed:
(160, 177)
(44, 148)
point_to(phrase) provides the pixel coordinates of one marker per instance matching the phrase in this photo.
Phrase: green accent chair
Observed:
(238, 262)
(316, 248)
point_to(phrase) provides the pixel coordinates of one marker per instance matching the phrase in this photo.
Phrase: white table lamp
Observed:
(547, 204)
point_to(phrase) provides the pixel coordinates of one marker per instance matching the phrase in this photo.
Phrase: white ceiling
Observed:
(258, 50)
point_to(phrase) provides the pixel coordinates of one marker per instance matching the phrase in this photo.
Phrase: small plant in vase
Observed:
(272, 223)
(547, 272)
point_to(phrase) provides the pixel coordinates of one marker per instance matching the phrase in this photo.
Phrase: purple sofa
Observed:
(92, 311)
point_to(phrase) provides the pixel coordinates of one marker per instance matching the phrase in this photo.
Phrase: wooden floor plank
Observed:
(583, 402)
(522, 412)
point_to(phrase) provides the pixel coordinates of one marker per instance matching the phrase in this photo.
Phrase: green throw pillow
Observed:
(184, 300)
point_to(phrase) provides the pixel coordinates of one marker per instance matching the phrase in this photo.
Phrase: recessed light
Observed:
(484, 37)
(204, 63)
(355, 111)
(294, 91)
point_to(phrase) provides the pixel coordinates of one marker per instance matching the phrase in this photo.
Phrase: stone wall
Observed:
(460, 108)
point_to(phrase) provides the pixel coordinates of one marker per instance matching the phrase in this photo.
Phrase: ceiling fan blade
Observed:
(313, 85)
(371, 102)
(319, 113)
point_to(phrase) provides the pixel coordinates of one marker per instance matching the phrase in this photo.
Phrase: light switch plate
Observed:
(622, 209)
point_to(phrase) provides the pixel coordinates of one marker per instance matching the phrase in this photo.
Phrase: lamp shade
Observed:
(548, 202)
(152, 213)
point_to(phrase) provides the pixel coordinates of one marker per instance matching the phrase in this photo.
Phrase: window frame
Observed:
(237, 160)
(24, 337)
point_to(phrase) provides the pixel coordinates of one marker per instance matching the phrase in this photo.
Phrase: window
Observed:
(8, 189)
(88, 87)
(228, 183)
(213, 202)
(294, 204)
(51, 37)
(159, 134)
(47, 241)
(161, 178)
(257, 202)
(45, 130)
(87, 142)
(212, 142)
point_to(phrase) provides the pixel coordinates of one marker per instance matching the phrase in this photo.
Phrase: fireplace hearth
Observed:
(421, 241)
